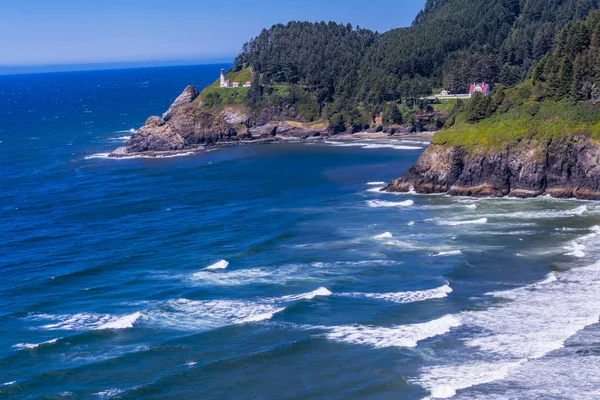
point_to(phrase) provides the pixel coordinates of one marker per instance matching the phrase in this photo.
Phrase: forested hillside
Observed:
(319, 70)
(560, 103)
(572, 69)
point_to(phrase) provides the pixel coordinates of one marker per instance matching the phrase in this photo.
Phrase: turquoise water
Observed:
(270, 271)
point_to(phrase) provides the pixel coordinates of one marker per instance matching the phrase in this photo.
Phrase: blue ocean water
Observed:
(270, 271)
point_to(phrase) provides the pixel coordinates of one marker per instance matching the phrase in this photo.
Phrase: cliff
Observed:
(189, 126)
(568, 168)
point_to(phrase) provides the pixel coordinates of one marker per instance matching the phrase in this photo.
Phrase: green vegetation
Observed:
(214, 97)
(551, 120)
(572, 69)
(354, 78)
(562, 100)
(452, 43)
(242, 76)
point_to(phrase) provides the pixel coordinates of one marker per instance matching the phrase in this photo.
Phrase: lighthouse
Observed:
(224, 82)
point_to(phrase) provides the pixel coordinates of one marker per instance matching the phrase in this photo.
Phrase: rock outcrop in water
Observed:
(566, 169)
(188, 127)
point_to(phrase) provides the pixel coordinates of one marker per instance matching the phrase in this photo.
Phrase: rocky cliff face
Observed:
(565, 169)
(187, 126)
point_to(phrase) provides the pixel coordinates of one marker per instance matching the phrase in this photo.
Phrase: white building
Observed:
(224, 82)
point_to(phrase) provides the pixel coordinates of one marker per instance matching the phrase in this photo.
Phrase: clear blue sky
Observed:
(91, 31)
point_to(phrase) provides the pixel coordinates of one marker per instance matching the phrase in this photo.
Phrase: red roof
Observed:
(479, 87)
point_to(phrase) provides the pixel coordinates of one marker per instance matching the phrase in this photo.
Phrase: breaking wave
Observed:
(108, 394)
(373, 145)
(467, 222)
(386, 235)
(446, 253)
(322, 291)
(387, 204)
(396, 336)
(86, 321)
(105, 156)
(30, 346)
(538, 320)
(222, 264)
(407, 297)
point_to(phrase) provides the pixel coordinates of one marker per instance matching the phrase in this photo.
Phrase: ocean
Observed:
(271, 271)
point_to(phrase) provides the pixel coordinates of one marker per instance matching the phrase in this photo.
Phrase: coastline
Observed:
(120, 152)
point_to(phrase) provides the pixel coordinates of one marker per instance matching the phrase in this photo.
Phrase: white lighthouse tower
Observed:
(224, 82)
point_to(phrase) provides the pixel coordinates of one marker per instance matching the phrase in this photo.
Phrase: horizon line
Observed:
(105, 66)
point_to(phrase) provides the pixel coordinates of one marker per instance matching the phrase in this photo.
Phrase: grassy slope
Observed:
(524, 119)
(241, 76)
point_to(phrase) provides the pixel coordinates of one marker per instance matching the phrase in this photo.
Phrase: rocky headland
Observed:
(569, 168)
(188, 127)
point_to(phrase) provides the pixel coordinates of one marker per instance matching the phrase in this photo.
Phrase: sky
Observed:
(47, 32)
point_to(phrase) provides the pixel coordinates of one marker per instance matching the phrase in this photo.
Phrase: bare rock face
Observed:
(184, 127)
(187, 126)
(235, 116)
(282, 130)
(189, 94)
(566, 169)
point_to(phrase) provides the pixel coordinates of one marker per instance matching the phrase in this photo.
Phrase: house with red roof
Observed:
(483, 88)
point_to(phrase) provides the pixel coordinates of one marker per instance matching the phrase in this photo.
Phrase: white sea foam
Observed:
(322, 291)
(407, 297)
(279, 275)
(99, 155)
(540, 317)
(446, 253)
(376, 183)
(397, 336)
(463, 222)
(373, 145)
(106, 156)
(184, 314)
(565, 376)
(376, 189)
(386, 235)
(29, 346)
(245, 276)
(120, 138)
(183, 154)
(411, 223)
(122, 323)
(415, 141)
(222, 264)
(381, 203)
(550, 278)
(543, 214)
(87, 321)
(538, 320)
(391, 146)
(9, 383)
(108, 394)
(575, 249)
(443, 382)
(259, 317)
